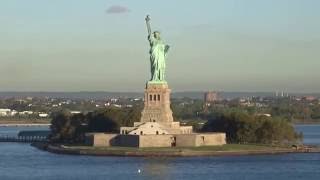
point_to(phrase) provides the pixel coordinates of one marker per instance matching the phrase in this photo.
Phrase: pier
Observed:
(23, 139)
(26, 137)
(24, 125)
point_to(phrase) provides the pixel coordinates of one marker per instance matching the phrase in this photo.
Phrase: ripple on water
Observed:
(21, 161)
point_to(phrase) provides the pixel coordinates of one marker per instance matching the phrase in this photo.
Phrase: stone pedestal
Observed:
(156, 116)
(157, 104)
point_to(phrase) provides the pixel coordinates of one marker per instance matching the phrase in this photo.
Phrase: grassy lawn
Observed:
(227, 147)
(233, 147)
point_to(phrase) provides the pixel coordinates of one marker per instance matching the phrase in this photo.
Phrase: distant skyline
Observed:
(224, 45)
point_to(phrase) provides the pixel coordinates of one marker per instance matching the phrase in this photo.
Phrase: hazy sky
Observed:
(101, 45)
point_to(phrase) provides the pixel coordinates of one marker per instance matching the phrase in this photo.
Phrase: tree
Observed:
(71, 128)
(243, 128)
(66, 127)
(101, 122)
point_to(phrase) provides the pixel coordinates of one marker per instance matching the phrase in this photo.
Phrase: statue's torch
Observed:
(148, 24)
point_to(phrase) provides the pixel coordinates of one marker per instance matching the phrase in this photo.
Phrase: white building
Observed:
(5, 112)
(25, 112)
(13, 112)
(75, 112)
(43, 115)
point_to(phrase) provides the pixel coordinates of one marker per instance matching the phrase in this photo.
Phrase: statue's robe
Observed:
(158, 53)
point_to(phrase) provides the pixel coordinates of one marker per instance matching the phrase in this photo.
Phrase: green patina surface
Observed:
(158, 53)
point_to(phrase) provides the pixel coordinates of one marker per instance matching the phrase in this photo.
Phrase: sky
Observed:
(101, 45)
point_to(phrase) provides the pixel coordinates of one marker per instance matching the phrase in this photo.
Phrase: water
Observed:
(21, 161)
(311, 133)
(13, 131)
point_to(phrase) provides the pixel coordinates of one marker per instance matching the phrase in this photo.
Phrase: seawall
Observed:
(61, 149)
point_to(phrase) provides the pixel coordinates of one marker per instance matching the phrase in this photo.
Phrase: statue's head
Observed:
(156, 35)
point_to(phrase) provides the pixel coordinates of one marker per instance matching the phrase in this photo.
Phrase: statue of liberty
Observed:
(158, 52)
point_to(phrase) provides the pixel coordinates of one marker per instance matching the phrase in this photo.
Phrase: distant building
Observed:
(211, 96)
(75, 112)
(309, 98)
(25, 113)
(117, 105)
(13, 112)
(5, 112)
(114, 100)
(267, 115)
(282, 94)
(43, 115)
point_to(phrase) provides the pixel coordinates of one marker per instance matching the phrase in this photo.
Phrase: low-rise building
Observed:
(43, 115)
(5, 112)
(25, 112)
(75, 112)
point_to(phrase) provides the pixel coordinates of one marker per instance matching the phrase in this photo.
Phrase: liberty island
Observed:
(156, 127)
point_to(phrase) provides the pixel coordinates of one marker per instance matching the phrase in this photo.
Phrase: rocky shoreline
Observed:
(61, 149)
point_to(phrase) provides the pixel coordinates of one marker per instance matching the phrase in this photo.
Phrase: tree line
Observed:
(71, 128)
(240, 127)
(285, 108)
